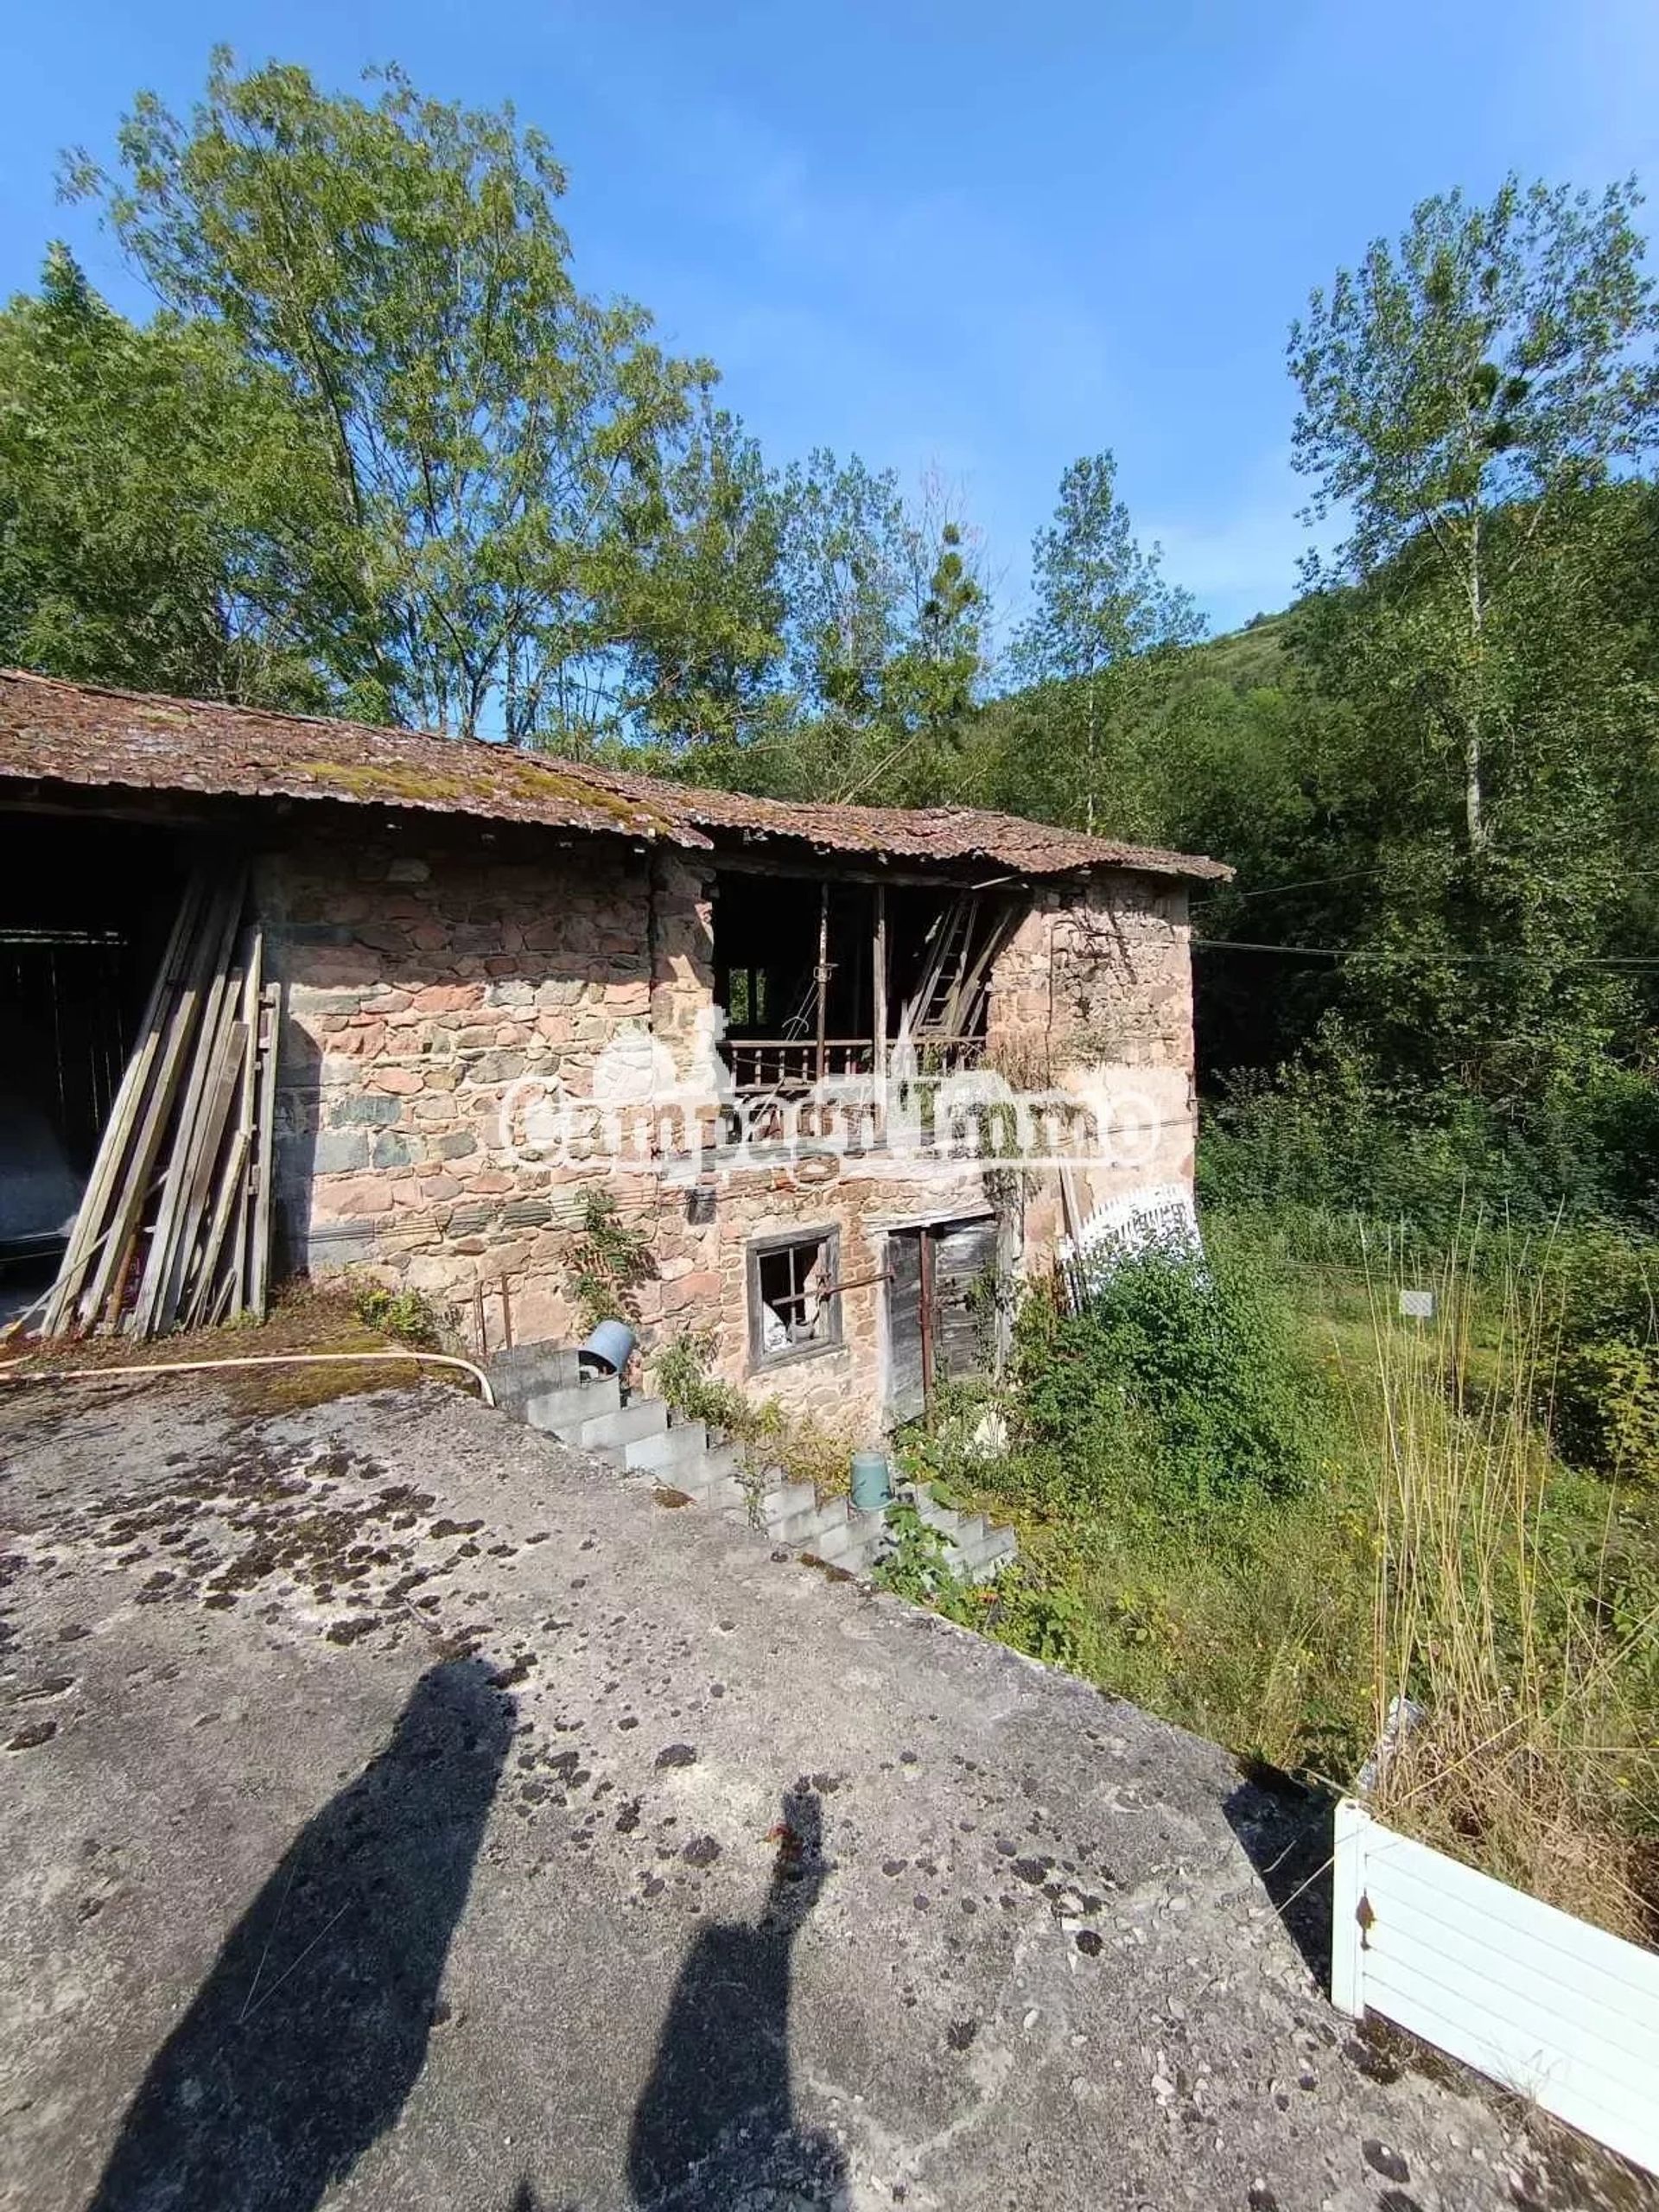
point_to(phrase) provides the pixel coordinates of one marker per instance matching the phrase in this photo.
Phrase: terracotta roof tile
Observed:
(54, 731)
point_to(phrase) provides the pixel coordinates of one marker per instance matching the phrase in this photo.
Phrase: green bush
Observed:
(1328, 1135)
(1606, 1409)
(406, 1314)
(1180, 1380)
(1601, 1284)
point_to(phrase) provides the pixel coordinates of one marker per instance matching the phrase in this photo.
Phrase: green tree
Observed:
(927, 690)
(845, 551)
(163, 509)
(701, 605)
(886, 616)
(1466, 396)
(1103, 606)
(1497, 360)
(498, 442)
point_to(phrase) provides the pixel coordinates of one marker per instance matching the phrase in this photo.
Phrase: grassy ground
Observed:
(1282, 1627)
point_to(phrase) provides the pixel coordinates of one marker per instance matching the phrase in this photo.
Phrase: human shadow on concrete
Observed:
(1286, 1831)
(304, 2041)
(716, 2122)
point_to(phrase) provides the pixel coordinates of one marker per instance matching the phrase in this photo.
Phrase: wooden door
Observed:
(936, 1329)
(907, 1380)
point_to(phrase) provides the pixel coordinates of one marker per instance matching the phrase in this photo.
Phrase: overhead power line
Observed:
(1272, 890)
(1449, 959)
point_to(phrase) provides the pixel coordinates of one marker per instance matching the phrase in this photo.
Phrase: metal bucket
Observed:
(609, 1349)
(871, 1482)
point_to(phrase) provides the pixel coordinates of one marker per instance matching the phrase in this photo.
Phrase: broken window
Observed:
(794, 1298)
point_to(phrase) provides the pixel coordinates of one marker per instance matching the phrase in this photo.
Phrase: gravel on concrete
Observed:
(402, 1811)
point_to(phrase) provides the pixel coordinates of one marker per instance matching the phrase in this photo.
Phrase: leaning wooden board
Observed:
(174, 1225)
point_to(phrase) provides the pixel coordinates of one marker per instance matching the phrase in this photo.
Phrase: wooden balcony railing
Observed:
(783, 1066)
(786, 1063)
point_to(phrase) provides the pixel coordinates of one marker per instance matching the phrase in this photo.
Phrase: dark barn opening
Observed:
(772, 934)
(819, 978)
(85, 907)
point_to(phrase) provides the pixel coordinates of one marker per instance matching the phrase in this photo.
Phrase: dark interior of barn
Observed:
(85, 910)
(768, 935)
(889, 956)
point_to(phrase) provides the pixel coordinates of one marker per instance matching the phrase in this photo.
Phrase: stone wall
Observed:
(1093, 996)
(429, 979)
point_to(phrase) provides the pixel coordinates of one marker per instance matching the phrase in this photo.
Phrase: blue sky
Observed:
(975, 236)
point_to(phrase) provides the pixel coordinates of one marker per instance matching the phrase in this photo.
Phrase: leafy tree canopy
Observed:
(510, 459)
(157, 494)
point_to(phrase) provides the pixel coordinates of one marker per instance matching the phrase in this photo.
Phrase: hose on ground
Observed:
(256, 1359)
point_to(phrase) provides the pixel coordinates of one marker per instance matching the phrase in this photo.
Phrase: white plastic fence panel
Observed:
(1561, 2011)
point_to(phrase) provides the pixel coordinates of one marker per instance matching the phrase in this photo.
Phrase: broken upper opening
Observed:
(85, 907)
(821, 979)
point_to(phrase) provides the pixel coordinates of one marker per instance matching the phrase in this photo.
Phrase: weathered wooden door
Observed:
(935, 1317)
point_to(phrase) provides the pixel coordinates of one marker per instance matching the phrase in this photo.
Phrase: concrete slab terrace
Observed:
(401, 1811)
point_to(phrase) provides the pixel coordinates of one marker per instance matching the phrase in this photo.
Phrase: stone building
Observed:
(848, 1070)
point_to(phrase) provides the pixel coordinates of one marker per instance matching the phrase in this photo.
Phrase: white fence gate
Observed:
(1561, 2011)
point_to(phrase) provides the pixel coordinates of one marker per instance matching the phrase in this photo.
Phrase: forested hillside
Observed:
(377, 452)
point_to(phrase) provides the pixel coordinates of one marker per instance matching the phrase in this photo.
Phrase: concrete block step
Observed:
(563, 1412)
(714, 1474)
(612, 1431)
(833, 1514)
(788, 1502)
(795, 1529)
(720, 1459)
(666, 1449)
(842, 1546)
(928, 1507)
(726, 1496)
(744, 1508)
(552, 1365)
(993, 1552)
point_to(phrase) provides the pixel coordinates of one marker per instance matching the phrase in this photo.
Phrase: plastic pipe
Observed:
(257, 1359)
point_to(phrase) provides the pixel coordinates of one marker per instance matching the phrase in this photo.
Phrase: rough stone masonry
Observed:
(427, 976)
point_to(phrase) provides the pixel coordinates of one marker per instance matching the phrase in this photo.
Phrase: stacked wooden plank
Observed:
(174, 1231)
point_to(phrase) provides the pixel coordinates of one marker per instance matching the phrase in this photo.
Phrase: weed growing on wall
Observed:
(608, 1262)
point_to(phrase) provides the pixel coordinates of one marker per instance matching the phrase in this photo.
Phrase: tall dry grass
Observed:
(1529, 1753)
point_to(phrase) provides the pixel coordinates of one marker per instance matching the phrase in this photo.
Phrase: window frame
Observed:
(759, 1248)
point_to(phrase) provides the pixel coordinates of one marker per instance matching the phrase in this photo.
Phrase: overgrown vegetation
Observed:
(1186, 1370)
(766, 1434)
(916, 1564)
(1518, 1640)
(408, 1315)
(1450, 1511)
